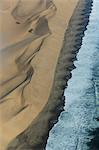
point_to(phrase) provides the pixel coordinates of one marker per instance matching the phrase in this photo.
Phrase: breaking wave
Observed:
(82, 95)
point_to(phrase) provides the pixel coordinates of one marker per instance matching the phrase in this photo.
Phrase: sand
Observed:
(36, 135)
(16, 113)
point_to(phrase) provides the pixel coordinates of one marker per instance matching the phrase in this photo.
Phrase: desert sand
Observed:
(26, 83)
(36, 135)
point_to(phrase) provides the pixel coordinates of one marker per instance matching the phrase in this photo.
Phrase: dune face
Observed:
(19, 60)
(27, 11)
(30, 45)
(24, 27)
(18, 56)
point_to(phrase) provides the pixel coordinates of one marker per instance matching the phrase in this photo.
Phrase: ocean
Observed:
(81, 112)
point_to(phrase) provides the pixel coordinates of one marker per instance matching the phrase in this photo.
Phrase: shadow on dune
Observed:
(17, 71)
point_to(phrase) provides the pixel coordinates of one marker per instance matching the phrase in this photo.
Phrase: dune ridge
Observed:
(35, 136)
(19, 55)
(18, 108)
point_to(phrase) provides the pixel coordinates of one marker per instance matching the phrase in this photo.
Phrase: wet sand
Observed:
(35, 136)
(27, 76)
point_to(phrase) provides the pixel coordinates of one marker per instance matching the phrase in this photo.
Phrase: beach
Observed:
(52, 69)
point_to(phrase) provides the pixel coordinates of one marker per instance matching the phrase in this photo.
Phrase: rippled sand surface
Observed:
(31, 38)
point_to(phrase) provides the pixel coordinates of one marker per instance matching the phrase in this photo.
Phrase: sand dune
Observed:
(19, 61)
(28, 60)
(19, 55)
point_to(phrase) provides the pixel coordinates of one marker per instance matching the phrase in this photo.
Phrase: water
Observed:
(82, 95)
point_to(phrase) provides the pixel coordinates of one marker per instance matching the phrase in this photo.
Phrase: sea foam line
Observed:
(71, 132)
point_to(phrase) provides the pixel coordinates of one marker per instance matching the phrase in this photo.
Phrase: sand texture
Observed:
(35, 136)
(33, 71)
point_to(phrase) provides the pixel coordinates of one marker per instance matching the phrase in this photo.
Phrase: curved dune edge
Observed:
(37, 133)
(35, 136)
(38, 91)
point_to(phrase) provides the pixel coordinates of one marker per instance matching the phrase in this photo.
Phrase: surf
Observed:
(81, 96)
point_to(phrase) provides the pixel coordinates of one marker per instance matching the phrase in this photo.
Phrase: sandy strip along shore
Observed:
(21, 101)
(35, 136)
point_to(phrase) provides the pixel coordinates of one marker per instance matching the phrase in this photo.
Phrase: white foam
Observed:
(70, 133)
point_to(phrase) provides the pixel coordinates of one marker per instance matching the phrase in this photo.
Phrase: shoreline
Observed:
(38, 131)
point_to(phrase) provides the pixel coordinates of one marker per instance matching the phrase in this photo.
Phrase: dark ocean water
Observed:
(78, 124)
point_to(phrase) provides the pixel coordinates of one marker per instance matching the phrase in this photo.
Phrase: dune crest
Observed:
(19, 55)
(16, 56)
(27, 73)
